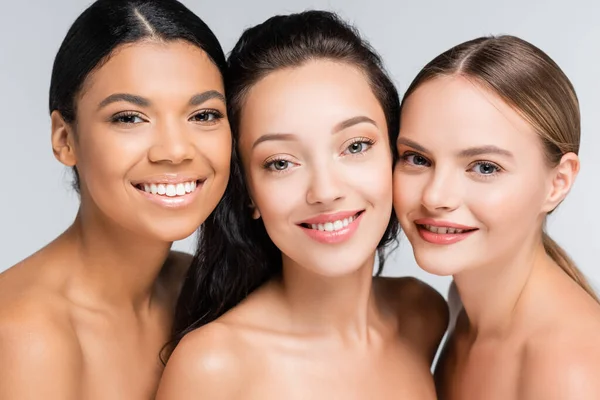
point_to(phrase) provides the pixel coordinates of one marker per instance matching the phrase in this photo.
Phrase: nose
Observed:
(442, 192)
(172, 144)
(325, 186)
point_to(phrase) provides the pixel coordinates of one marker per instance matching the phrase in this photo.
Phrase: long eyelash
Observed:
(408, 153)
(498, 168)
(216, 113)
(115, 118)
(366, 140)
(270, 161)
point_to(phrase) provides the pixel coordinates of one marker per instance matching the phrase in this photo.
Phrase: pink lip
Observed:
(442, 224)
(336, 236)
(174, 202)
(442, 238)
(324, 218)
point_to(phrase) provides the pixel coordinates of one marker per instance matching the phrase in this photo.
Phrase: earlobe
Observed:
(563, 178)
(62, 140)
(255, 212)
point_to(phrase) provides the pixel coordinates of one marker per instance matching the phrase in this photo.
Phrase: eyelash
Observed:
(362, 140)
(497, 169)
(270, 163)
(119, 118)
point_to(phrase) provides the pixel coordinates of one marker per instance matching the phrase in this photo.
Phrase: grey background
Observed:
(37, 202)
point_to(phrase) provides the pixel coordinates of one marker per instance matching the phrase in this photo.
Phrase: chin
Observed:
(333, 267)
(438, 265)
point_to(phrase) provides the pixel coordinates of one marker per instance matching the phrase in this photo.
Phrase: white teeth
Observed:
(333, 226)
(442, 230)
(170, 190)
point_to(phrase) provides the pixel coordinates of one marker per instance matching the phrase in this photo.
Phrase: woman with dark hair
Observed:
(280, 301)
(137, 108)
(489, 143)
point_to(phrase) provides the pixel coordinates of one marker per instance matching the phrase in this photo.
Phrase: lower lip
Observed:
(335, 236)
(443, 238)
(174, 202)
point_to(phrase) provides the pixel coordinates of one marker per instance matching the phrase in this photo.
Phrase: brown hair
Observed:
(530, 82)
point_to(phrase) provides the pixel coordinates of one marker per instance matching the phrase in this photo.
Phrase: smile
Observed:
(444, 230)
(332, 226)
(169, 189)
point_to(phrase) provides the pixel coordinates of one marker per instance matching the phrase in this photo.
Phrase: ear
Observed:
(563, 177)
(255, 211)
(63, 140)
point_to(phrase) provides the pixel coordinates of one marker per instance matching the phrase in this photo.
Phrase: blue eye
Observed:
(485, 168)
(279, 165)
(358, 146)
(415, 159)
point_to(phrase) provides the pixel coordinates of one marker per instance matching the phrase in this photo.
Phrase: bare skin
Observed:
(376, 343)
(541, 346)
(525, 329)
(326, 329)
(87, 315)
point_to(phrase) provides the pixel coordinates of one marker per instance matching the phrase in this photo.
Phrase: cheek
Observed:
(407, 193)
(215, 147)
(275, 196)
(104, 158)
(509, 205)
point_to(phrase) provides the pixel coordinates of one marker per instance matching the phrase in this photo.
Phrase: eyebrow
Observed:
(353, 121)
(466, 153)
(477, 151)
(274, 136)
(200, 98)
(345, 124)
(130, 98)
(196, 100)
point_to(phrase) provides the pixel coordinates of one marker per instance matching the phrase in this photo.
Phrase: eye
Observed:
(359, 145)
(415, 159)
(278, 165)
(207, 116)
(485, 168)
(127, 118)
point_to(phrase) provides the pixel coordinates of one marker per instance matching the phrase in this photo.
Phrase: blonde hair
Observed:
(530, 82)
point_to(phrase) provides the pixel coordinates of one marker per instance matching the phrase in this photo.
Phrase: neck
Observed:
(493, 295)
(114, 265)
(340, 304)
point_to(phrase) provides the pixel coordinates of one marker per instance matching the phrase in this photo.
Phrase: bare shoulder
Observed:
(561, 365)
(422, 311)
(40, 355)
(207, 363)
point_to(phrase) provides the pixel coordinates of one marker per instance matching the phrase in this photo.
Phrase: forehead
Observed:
(149, 67)
(453, 113)
(315, 96)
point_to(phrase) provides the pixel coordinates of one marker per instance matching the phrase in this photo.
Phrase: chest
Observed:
(489, 370)
(389, 373)
(121, 362)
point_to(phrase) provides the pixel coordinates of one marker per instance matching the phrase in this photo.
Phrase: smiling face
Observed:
(472, 186)
(314, 146)
(151, 141)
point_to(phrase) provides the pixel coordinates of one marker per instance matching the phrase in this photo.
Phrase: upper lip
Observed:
(324, 218)
(168, 179)
(442, 224)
